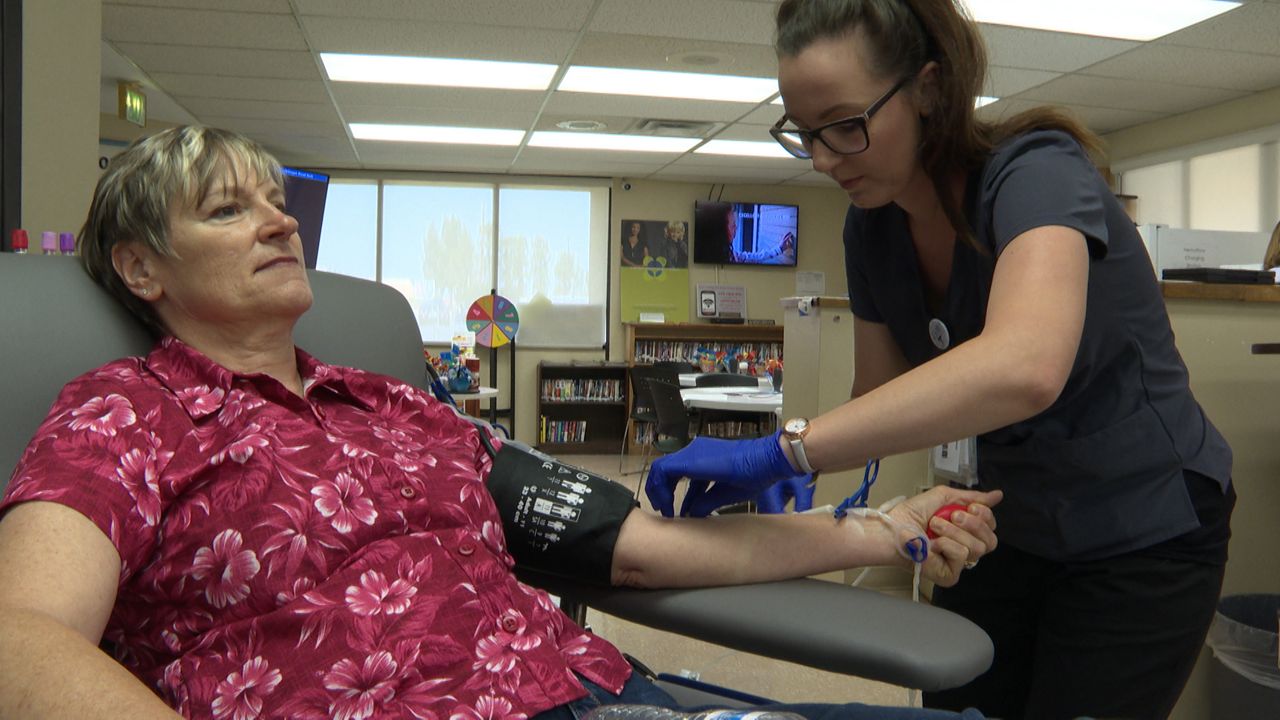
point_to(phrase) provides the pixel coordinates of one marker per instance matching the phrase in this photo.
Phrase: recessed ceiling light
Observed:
(581, 125)
(626, 143)
(442, 72)
(1123, 19)
(660, 83)
(436, 134)
(746, 148)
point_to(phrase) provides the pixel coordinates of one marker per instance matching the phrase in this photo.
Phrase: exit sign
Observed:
(133, 104)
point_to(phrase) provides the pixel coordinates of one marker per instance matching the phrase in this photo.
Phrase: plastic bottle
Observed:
(49, 242)
(652, 712)
(18, 241)
(67, 243)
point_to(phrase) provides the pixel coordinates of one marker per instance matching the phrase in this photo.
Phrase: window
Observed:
(1225, 190)
(438, 241)
(349, 232)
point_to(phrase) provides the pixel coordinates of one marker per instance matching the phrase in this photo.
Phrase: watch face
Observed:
(796, 425)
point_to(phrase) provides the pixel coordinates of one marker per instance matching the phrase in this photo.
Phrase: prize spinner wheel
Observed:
(494, 319)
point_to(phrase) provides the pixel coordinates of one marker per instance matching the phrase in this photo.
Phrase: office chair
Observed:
(824, 625)
(672, 431)
(641, 412)
(749, 424)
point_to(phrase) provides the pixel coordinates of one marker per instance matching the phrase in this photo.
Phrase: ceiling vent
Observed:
(674, 128)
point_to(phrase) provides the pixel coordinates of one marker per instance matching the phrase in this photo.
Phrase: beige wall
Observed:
(1255, 112)
(61, 62)
(821, 220)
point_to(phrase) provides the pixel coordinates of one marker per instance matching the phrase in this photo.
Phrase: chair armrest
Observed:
(819, 624)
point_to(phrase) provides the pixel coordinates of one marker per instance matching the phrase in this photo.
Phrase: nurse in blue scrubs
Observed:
(1000, 292)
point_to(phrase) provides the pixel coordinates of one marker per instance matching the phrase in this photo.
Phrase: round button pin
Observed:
(939, 334)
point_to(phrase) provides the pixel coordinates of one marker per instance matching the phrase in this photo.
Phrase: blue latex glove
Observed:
(775, 497)
(720, 472)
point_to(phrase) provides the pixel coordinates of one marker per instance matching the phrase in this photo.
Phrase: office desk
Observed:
(737, 399)
(688, 380)
(471, 400)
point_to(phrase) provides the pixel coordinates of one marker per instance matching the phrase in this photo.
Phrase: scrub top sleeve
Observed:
(1044, 178)
(861, 300)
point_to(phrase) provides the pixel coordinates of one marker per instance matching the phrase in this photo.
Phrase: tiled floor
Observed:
(666, 652)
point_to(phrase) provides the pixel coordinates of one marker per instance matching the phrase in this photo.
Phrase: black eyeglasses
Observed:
(843, 137)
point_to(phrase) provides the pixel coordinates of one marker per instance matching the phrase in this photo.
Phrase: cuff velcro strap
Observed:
(558, 519)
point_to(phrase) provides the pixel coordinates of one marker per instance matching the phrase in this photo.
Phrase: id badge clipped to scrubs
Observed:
(955, 462)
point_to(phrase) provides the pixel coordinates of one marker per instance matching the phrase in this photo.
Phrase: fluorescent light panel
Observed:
(436, 134)
(605, 141)
(440, 72)
(660, 83)
(1123, 19)
(744, 148)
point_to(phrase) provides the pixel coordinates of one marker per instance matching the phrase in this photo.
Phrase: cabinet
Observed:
(582, 407)
(652, 342)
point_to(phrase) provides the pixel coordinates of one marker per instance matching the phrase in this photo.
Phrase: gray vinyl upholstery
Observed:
(58, 324)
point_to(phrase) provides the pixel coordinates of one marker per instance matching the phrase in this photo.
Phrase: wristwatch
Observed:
(794, 431)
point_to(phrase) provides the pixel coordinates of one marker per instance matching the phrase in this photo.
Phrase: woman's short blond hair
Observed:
(141, 187)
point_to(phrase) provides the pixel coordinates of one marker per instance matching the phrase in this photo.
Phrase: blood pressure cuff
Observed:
(558, 519)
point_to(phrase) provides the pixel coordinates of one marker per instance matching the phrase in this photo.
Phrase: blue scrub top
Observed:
(1099, 472)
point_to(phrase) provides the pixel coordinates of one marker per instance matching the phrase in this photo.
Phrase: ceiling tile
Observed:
(546, 161)
(720, 20)
(242, 88)
(1039, 50)
(546, 14)
(1252, 27)
(350, 94)
(259, 109)
(1145, 96)
(286, 64)
(429, 156)
(258, 6)
(445, 117)
(129, 23)
(587, 105)
(1099, 120)
(675, 54)
(426, 39)
(1194, 66)
(1005, 81)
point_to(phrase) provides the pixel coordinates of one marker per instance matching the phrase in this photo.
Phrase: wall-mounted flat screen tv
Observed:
(305, 193)
(733, 233)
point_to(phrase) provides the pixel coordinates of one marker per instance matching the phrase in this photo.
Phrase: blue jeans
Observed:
(640, 691)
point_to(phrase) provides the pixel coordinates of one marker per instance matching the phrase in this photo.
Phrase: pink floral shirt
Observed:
(333, 556)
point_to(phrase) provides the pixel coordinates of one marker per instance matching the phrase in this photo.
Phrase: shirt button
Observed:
(509, 623)
(466, 548)
(407, 492)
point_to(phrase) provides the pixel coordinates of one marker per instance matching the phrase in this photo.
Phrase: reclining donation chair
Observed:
(69, 326)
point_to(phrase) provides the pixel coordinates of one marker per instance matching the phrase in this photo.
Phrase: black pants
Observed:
(1113, 638)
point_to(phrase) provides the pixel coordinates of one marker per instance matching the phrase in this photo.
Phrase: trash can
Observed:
(1244, 680)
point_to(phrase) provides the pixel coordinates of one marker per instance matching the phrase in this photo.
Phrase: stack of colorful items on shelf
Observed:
(451, 367)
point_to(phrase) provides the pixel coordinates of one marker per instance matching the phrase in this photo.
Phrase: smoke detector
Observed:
(581, 125)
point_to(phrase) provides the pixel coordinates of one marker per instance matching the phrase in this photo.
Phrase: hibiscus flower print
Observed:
(227, 568)
(488, 708)
(342, 501)
(202, 399)
(241, 695)
(137, 472)
(359, 690)
(104, 415)
(376, 596)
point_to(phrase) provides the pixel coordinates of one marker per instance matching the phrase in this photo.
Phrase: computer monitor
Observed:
(304, 197)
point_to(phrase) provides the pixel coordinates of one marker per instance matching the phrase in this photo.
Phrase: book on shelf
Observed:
(582, 390)
(561, 431)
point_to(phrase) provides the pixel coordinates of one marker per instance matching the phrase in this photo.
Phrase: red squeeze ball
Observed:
(945, 512)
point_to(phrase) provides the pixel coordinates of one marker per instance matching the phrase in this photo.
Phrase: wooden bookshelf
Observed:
(651, 342)
(582, 407)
